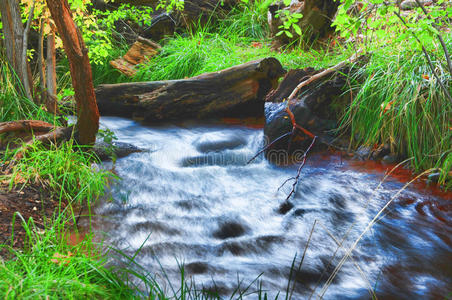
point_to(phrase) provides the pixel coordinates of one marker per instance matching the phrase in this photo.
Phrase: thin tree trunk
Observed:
(41, 64)
(82, 80)
(27, 79)
(51, 103)
(13, 32)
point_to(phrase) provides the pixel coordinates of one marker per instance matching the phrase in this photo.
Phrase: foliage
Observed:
(380, 21)
(98, 29)
(290, 22)
(401, 102)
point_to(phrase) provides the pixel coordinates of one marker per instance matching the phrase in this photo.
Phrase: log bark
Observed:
(25, 125)
(237, 91)
(82, 79)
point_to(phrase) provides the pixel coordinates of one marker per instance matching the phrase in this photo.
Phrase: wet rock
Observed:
(315, 107)
(434, 177)
(215, 159)
(230, 229)
(381, 152)
(390, 158)
(214, 146)
(105, 151)
(364, 152)
(337, 200)
(196, 267)
(278, 124)
(154, 227)
(285, 207)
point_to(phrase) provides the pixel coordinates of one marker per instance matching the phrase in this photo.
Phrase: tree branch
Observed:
(325, 72)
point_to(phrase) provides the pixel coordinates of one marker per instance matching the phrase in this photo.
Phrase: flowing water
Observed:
(192, 199)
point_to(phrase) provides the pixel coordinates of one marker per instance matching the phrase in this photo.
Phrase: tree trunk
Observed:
(51, 99)
(13, 32)
(82, 80)
(237, 91)
(315, 23)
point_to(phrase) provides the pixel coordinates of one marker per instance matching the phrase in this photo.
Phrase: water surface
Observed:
(192, 199)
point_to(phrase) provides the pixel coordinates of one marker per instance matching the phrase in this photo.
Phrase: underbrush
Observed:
(65, 169)
(401, 104)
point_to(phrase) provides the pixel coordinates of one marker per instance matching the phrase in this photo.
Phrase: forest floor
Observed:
(31, 201)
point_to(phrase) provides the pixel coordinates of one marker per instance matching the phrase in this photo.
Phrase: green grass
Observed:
(64, 169)
(201, 52)
(247, 20)
(417, 122)
(51, 269)
(13, 103)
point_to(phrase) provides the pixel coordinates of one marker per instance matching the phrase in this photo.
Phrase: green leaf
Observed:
(297, 29)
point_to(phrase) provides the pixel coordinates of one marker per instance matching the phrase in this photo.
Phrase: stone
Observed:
(390, 158)
(434, 177)
(120, 149)
(229, 229)
(363, 152)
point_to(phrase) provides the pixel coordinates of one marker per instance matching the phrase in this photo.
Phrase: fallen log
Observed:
(237, 91)
(142, 50)
(25, 125)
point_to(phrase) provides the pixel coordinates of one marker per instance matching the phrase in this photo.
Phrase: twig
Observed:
(294, 122)
(269, 146)
(317, 76)
(296, 179)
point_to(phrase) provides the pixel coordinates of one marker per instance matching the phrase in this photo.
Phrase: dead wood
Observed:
(236, 91)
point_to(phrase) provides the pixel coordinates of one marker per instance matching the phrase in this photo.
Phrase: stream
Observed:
(192, 199)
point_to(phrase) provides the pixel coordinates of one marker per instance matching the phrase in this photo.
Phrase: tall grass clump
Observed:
(64, 169)
(247, 20)
(401, 104)
(14, 105)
